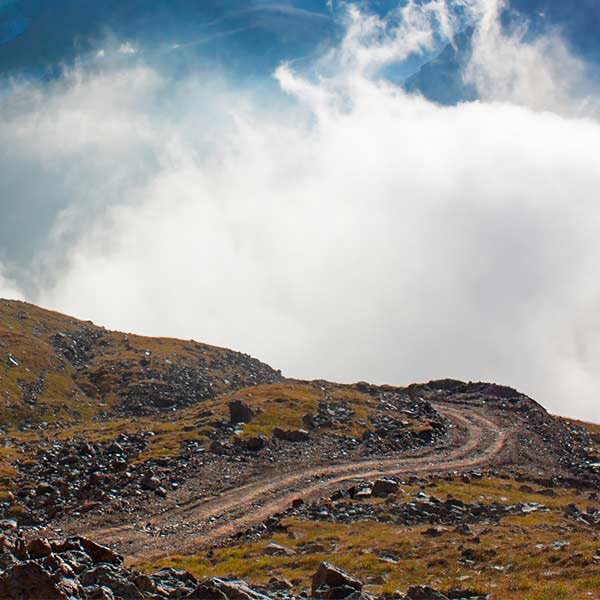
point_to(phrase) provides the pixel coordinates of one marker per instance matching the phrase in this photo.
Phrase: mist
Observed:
(331, 225)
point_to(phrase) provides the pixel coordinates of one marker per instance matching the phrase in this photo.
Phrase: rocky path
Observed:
(188, 523)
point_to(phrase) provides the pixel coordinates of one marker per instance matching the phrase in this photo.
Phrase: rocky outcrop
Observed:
(330, 582)
(79, 568)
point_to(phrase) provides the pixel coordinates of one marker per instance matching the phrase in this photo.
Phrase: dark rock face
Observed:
(330, 582)
(239, 412)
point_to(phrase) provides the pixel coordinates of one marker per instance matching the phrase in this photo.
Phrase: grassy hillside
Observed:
(56, 368)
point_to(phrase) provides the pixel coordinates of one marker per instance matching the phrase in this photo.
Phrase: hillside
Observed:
(179, 455)
(58, 368)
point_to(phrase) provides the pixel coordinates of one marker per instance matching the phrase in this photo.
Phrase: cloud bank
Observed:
(345, 231)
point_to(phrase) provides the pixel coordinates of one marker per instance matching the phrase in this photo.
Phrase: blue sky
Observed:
(248, 178)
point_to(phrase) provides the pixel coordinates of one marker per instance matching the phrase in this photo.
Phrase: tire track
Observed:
(200, 524)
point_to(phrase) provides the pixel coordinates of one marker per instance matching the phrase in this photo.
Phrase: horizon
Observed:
(291, 376)
(354, 191)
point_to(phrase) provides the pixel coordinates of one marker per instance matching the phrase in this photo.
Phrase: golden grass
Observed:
(277, 405)
(525, 565)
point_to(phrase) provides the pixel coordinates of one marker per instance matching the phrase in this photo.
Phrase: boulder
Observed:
(99, 592)
(433, 532)
(330, 582)
(97, 552)
(30, 581)
(221, 589)
(291, 435)
(144, 583)
(113, 578)
(217, 447)
(239, 412)
(385, 486)
(279, 585)
(419, 592)
(38, 548)
(55, 564)
(308, 421)
(150, 482)
(255, 443)
(274, 549)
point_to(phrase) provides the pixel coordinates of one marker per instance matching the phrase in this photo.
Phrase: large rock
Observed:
(220, 589)
(113, 578)
(385, 486)
(97, 552)
(256, 443)
(419, 592)
(274, 549)
(291, 435)
(30, 581)
(38, 548)
(150, 482)
(330, 582)
(239, 412)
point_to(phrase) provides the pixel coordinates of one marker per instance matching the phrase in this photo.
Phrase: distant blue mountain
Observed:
(441, 79)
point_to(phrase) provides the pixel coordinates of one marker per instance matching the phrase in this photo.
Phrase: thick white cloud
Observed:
(354, 233)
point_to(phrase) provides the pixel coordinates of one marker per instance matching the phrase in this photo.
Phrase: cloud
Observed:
(542, 73)
(349, 232)
(8, 288)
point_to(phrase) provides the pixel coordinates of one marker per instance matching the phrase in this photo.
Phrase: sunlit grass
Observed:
(525, 565)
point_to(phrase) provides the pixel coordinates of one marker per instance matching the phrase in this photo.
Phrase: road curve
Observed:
(195, 524)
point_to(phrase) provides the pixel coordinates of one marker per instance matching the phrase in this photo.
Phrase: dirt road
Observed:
(191, 524)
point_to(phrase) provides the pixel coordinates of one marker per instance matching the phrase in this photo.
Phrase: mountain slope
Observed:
(56, 367)
(179, 454)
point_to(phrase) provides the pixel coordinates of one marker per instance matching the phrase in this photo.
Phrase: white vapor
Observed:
(355, 232)
(542, 74)
(8, 288)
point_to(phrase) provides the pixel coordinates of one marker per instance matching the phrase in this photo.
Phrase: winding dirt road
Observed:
(194, 524)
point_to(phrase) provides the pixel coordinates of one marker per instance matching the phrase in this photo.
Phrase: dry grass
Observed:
(69, 395)
(525, 566)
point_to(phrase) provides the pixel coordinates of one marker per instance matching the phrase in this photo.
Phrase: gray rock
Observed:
(331, 582)
(274, 549)
(424, 593)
